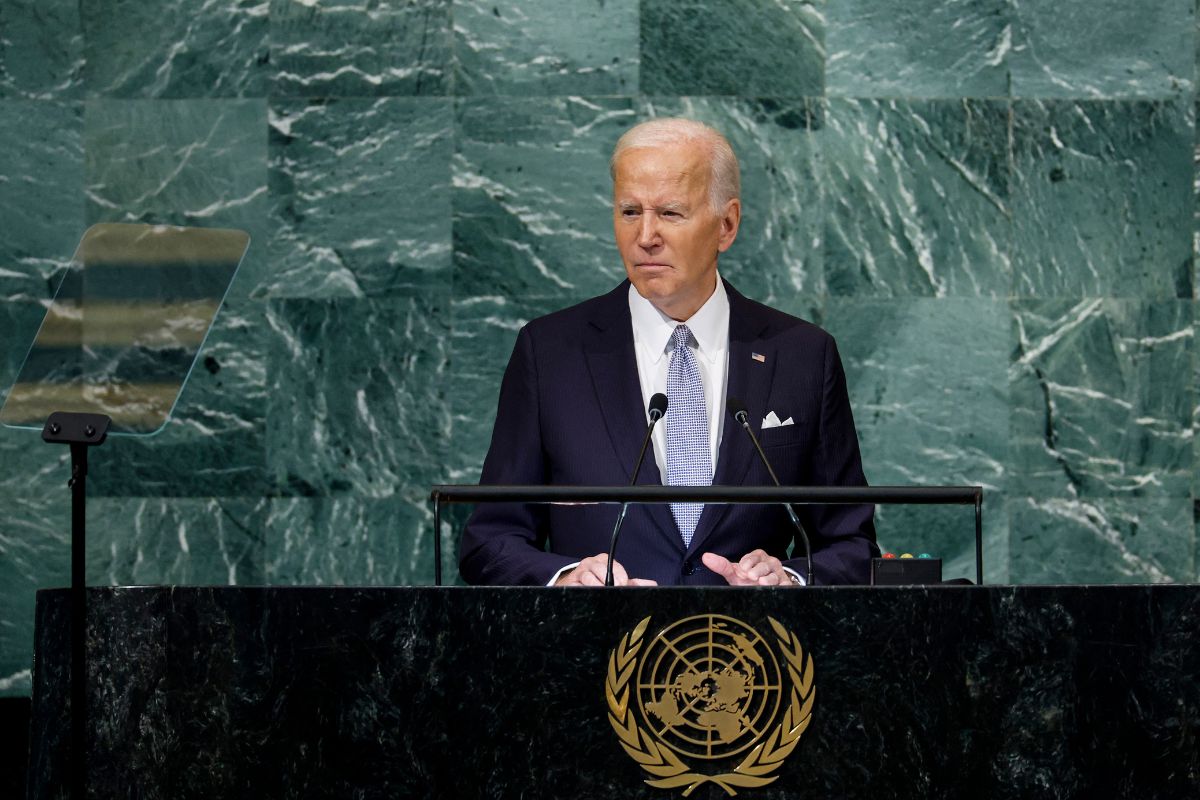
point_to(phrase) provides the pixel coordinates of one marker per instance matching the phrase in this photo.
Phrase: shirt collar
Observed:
(652, 329)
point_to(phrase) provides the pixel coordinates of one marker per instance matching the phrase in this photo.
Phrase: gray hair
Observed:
(725, 181)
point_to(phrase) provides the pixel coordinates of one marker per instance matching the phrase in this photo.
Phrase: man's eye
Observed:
(629, 213)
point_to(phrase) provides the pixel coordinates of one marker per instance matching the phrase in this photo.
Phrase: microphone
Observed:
(738, 409)
(658, 407)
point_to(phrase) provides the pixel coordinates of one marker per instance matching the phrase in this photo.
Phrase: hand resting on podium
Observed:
(756, 568)
(591, 572)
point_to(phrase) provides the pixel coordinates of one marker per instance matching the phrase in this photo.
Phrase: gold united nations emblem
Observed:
(706, 690)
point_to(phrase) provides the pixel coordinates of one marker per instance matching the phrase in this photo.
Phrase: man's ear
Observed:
(731, 218)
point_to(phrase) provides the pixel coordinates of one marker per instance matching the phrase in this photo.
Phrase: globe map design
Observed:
(709, 686)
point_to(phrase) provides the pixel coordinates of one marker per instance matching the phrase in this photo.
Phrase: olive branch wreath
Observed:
(671, 771)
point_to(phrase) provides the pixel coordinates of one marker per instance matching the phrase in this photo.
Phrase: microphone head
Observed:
(738, 409)
(658, 406)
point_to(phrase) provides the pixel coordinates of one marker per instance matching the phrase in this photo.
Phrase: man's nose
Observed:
(648, 233)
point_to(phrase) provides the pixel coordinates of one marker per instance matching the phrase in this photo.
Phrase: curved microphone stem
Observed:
(742, 417)
(655, 416)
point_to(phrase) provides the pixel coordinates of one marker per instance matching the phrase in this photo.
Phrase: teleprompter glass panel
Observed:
(126, 325)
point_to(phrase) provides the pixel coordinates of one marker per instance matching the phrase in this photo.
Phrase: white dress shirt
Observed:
(652, 331)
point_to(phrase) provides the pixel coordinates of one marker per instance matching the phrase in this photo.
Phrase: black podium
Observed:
(1005, 692)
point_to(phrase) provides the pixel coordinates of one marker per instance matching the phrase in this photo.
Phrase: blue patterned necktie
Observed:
(688, 460)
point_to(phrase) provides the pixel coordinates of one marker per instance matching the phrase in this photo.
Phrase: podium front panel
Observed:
(832, 692)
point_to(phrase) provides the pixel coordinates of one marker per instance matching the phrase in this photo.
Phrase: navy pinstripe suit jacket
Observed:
(571, 413)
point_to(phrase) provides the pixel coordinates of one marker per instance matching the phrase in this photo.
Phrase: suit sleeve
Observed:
(503, 543)
(842, 536)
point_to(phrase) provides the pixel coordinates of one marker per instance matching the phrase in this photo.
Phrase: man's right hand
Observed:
(591, 572)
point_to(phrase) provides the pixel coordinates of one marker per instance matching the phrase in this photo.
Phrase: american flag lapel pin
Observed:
(759, 357)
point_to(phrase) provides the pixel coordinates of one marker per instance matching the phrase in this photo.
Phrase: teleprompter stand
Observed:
(80, 431)
(112, 355)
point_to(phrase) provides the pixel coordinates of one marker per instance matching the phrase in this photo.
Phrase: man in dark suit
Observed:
(573, 403)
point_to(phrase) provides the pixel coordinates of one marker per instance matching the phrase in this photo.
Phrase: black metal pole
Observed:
(80, 431)
(437, 539)
(78, 484)
(979, 539)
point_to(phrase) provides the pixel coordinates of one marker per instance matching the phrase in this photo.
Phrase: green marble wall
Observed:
(990, 204)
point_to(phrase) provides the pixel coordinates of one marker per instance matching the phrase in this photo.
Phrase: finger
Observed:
(642, 582)
(758, 570)
(584, 571)
(719, 564)
(620, 576)
(753, 557)
(770, 579)
(592, 575)
(726, 569)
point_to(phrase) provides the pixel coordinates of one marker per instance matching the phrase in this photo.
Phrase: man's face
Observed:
(666, 229)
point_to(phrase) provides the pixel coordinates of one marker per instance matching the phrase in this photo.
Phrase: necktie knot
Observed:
(681, 337)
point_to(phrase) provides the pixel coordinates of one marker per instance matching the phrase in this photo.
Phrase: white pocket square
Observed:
(772, 421)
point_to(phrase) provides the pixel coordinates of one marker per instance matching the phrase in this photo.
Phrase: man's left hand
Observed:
(754, 569)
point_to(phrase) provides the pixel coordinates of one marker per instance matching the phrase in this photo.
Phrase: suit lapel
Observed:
(613, 367)
(749, 380)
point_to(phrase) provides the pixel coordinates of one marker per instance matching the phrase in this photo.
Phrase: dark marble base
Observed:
(382, 693)
(14, 744)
